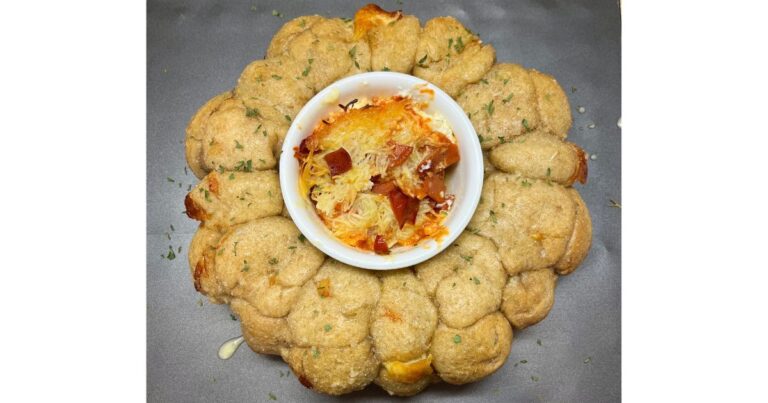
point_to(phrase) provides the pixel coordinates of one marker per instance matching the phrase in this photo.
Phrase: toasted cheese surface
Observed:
(375, 172)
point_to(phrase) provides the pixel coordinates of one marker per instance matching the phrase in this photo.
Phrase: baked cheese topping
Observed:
(375, 172)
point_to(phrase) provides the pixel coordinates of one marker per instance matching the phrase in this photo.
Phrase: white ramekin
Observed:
(465, 179)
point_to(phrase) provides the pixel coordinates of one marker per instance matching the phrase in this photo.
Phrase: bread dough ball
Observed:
(581, 238)
(528, 297)
(264, 334)
(542, 156)
(252, 260)
(335, 308)
(221, 200)
(467, 355)
(391, 37)
(323, 51)
(333, 370)
(267, 81)
(502, 105)
(529, 220)
(195, 134)
(466, 280)
(450, 56)
(553, 106)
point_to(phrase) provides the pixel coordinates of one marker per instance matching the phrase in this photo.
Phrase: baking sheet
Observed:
(196, 49)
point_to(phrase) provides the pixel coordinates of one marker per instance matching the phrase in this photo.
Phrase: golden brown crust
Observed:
(580, 240)
(581, 171)
(372, 16)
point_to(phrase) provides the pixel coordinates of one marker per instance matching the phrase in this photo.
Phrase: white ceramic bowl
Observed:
(465, 179)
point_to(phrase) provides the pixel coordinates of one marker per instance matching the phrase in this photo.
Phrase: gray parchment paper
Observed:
(196, 49)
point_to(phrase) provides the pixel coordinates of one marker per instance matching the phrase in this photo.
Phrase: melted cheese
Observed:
(367, 131)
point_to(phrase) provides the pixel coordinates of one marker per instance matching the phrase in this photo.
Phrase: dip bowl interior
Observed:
(464, 179)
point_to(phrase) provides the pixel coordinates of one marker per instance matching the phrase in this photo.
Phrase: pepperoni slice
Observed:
(380, 246)
(404, 207)
(338, 161)
(439, 159)
(383, 188)
(450, 155)
(434, 186)
(399, 155)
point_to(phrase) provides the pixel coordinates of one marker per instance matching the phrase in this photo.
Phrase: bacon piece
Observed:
(400, 154)
(383, 188)
(380, 245)
(404, 207)
(338, 161)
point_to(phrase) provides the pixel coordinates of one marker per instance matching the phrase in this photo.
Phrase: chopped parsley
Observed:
(385, 68)
(238, 145)
(587, 360)
(480, 137)
(246, 266)
(459, 46)
(353, 52)
(538, 341)
(288, 118)
(502, 139)
(614, 203)
(525, 125)
(309, 67)
(244, 166)
(506, 80)
(252, 112)
(169, 179)
(534, 378)
(327, 328)
(273, 261)
(508, 98)
(301, 238)
(468, 259)
(526, 184)
(277, 14)
(492, 215)
(475, 280)
(489, 108)
(456, 339)
(232, 316)
(272, 396)
(171, 255)
(232, 176)
(315, 352)
(276, 77)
